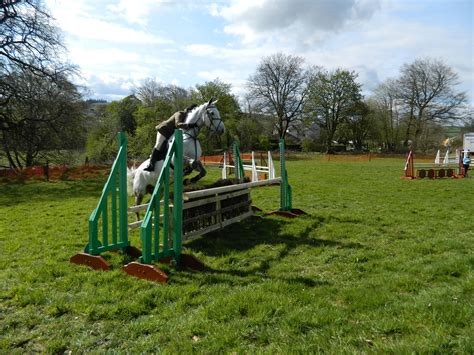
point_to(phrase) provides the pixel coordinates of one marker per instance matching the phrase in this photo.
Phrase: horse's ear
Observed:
(215, 101)
(210, 102)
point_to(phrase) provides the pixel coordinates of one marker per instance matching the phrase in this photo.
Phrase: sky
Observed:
(117, 44)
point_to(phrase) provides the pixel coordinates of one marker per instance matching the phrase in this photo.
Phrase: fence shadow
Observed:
(256, 231)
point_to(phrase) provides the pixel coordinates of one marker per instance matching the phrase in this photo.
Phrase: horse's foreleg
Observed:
(202, 173)
(138, 200)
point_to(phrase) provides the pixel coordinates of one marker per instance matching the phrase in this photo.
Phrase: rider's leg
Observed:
(155, 154)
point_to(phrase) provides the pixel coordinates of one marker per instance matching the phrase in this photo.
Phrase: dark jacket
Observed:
(166, 128)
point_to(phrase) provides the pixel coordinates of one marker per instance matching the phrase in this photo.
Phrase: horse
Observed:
(205, 114)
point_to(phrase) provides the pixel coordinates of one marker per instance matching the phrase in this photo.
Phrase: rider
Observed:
(164, 131)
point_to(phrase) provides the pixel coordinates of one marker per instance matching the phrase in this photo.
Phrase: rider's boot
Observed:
(153, 159)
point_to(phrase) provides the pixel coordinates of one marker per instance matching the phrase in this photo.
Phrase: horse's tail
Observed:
(130, 176)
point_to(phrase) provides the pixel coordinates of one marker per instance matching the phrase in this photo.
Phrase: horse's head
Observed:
(213, 118)
(207, 114)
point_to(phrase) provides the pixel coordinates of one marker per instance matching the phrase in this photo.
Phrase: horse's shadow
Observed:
(255, 232)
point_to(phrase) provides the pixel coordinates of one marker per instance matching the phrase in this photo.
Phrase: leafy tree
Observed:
(307, 145)
(279, 89)
(123, 113)
(147, 118)
(331, 100)
(358, 125)
(131, 116)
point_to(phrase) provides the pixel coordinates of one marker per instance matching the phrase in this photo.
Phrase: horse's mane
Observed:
(195, 113)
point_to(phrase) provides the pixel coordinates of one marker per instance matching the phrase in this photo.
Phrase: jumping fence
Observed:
(168, 222)
(451, 168)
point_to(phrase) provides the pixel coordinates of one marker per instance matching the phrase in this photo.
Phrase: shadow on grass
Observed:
(270, 232)
(257, 231)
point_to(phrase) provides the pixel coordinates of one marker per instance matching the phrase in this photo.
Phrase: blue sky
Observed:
(118, 43)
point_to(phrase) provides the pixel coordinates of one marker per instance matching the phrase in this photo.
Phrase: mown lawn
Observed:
(380, 265)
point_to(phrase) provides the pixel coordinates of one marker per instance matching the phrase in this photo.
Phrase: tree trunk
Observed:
(29, 159)
(329, 149)
(11, 161)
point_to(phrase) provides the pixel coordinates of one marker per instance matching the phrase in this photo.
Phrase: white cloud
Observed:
(230, 55)
(373, 37)
(87, 57)
(304, 20)
(227, 76)
(78, 20)
(136, 11)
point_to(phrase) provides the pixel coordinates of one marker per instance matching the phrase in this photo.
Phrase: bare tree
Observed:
(29, 37)
(427, 90)
(48, 118)
(148, 91)
(331, 101)
(279, 88)
(29, 41)
(386, 113)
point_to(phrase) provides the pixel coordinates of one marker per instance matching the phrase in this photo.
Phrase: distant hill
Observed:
(96, 101)
(453, 131)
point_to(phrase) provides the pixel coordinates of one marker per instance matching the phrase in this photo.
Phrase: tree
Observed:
(34, 123)
(279, 88)
(426, 89)
(148, 92)
(29, 41)
(331, 100)
(123, 114)
(386, 114)
(358, 124)
(48, 118)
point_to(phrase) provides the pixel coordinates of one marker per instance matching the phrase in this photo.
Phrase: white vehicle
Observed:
(468, 142)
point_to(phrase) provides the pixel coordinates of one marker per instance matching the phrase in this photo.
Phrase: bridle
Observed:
(212, 119)
(193, 131)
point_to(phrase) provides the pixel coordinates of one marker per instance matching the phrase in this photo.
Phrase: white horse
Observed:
(205, 114)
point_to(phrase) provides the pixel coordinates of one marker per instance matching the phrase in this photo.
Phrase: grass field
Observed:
(380, 265)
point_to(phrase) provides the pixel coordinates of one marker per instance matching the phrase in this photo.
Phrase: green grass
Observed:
(380, 265)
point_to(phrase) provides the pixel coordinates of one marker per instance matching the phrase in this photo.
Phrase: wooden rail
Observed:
(217, 190)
